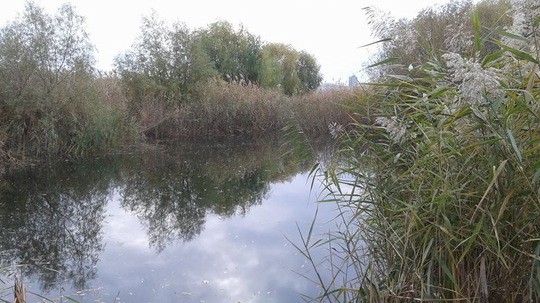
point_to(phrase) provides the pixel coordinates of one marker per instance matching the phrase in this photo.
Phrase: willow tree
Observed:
(165, 65)
(232, 52)
(47, 94)
(282, 66)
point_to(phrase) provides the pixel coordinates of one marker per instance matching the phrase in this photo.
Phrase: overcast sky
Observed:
(332, 31)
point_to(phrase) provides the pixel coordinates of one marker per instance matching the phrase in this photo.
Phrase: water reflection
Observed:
(51, 222)
(69, 225)
(173, 191)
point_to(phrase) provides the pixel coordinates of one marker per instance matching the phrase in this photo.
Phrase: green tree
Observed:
(277, 67)
(47, 86)
(164, 65)
(282, 66)
(233, 53)
(270, 71)
(38, 52)
(308, 72)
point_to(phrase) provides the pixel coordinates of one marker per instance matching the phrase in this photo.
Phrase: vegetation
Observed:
(439, 199)
(282, 66)
(174, 82)
(436, 31)
(232, 53)
(230, 109)
(50, 102)
(216, 80)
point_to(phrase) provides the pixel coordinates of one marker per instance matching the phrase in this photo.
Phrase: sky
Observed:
(332, 31)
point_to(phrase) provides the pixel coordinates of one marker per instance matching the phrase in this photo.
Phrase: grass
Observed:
(54, 103)
(93, 114)
(232, 108)
(82, 115)
(439, 201)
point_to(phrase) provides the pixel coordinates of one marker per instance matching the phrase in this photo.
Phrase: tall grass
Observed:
(239, 108)
(440, 199)
(77, 117)
(51, 101)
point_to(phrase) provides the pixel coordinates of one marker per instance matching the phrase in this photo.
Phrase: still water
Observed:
(175, 222)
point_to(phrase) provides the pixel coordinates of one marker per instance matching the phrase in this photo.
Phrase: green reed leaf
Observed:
(514, 144)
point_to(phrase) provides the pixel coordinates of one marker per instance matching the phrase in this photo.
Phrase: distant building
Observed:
(353, 81)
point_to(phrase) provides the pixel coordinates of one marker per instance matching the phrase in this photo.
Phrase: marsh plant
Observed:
(174, 82)
(440, 199)
(51, 102)
(171, 67)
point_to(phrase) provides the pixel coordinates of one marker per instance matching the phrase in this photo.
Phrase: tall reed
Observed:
(239, 108)
(440, 198)
(51, 102)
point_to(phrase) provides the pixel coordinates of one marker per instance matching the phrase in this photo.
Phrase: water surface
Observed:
(178, 222)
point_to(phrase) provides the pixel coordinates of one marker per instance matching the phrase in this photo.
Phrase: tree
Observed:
(308, 72)
(233, 53)
(165, 65)
(39, 51)
(282, 66)
(46, 74)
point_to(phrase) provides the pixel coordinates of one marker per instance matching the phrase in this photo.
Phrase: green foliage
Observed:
(48, 94)
(165, 66)
(233, 53)
(173, 71)
(278, 68)
(282, 66)
(439, 198)
(308, 72)
(452, 27)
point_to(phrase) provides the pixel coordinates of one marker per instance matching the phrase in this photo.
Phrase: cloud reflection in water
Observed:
(187, 223)
(235, 259)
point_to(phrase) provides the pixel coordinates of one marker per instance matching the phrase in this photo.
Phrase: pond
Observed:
(174, 222)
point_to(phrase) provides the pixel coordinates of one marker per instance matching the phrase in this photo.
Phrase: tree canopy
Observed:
(173, 62)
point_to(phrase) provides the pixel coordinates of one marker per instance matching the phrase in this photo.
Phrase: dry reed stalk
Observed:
(19, 291)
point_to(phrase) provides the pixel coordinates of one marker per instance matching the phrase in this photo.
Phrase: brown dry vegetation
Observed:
(53, 103)
(231, 108)
(220, 109)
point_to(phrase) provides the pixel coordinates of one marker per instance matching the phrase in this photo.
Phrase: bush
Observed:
(50, 102)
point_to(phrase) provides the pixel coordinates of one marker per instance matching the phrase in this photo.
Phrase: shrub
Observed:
(49, 99)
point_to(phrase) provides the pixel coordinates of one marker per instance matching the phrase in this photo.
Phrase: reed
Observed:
(19, 291)
(51, 101)
(239, 108)
(439, 199)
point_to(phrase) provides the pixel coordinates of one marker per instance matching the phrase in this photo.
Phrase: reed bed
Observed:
(439, 199)
(236, 108)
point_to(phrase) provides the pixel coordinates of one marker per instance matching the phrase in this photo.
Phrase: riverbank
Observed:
(222, 110)
(175, 82)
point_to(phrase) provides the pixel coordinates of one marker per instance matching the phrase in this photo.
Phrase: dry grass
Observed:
(225, 109)
(19, 291)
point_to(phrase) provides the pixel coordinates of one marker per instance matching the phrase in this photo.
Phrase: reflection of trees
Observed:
(51, 218)
(185, 183)
(51, 221)
(172, 191)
